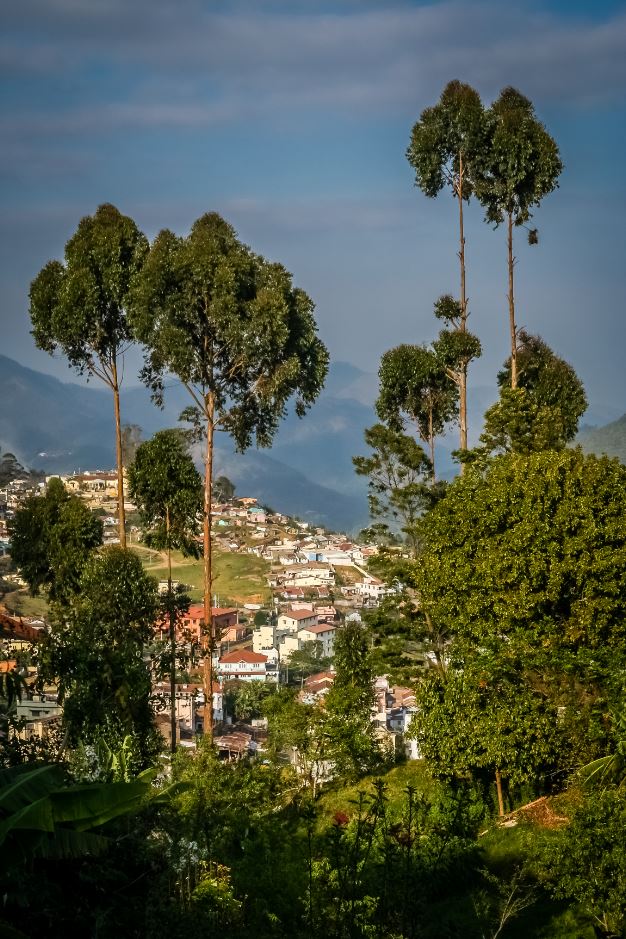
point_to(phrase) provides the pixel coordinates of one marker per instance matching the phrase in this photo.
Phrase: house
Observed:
(308, 574)
(236, 633)
(324, 633)
(223, 618)
(246, 666)
(263, 638)
(316, 687)
(292, 620)
(17, 633)
(189, 706)
(293, 593)
(371, 588)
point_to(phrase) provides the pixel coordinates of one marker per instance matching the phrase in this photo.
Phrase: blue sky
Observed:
(292, 119)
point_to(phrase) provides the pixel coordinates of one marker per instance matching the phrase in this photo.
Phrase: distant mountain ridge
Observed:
(609, 440)
(63, 427)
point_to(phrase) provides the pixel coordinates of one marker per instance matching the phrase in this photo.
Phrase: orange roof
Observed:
(196, 610)
(298, 614)
(321, 628)
(12, 628)
(243, 656)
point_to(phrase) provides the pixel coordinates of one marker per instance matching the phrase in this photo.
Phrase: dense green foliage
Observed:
(231, 326)
(542, 413)
(52, 537)
(167, 488)
(95, 653)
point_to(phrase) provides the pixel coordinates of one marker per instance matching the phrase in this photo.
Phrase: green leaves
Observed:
(399, 475)
(520, 164)
(167, 488)
(52, 537)
(414, 387)
(95, 651)
(80, 307)
(42, 816)
(229, 324)
(451, 130)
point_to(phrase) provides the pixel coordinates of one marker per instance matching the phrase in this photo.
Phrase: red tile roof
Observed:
(321, 628)
(244, 655)
(12, 628)
(298, 614)
(196, 611)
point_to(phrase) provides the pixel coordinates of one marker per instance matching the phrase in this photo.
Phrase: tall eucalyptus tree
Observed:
(520, 166)
(80, 307)
(241, 339)
(446, 144)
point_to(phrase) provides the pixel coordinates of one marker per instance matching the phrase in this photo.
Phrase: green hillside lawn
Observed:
(237, 578)
(20, 603)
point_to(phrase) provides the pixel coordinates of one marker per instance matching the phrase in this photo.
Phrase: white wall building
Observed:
(292, 620)
(324, 633)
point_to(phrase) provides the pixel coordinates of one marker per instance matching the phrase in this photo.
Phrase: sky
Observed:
(292, 120)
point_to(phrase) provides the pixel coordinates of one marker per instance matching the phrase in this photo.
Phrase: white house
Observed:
(263, 637)
(324, 633)
(244, 665)
(371, 588)
(292, 620)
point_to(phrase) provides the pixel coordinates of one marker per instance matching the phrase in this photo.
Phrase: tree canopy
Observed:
(533, 550)
(543, 411)
(95, 652)
(415, 388)
(399, 484)
(80, 307)
(52, 538)
(167, 488)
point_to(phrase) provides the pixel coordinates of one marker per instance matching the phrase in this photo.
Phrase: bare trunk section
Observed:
(463, 326)
(208, 642)
(121, 516)
(499, 791)
(431, 441)
(172, 627)
(511, 296)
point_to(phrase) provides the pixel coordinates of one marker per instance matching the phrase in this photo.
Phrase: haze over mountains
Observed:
(63, 427)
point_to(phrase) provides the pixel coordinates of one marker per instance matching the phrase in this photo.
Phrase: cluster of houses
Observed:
(312, 573)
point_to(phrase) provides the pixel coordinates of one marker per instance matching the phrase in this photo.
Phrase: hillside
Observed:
(610, 439)
(62, 427)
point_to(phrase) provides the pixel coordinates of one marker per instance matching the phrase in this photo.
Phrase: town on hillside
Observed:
(315, 582)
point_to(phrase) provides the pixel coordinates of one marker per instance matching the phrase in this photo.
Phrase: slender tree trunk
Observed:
(512, 327)
(118, 452)
(209, 631)
(172, 624)
(499, 791)
(463, 324)
(431, 442)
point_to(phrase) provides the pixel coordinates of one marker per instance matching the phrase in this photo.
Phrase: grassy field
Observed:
(238, 578)
(20, 603)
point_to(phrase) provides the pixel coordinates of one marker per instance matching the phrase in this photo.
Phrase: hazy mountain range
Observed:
(63, 427)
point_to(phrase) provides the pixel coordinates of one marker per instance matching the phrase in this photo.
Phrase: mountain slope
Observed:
(610, 439)
(62, 427)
